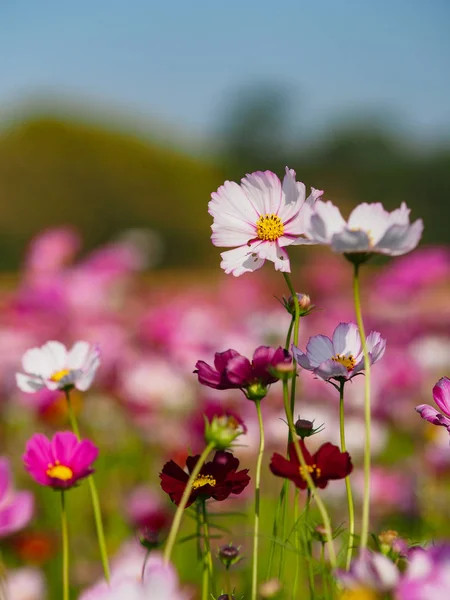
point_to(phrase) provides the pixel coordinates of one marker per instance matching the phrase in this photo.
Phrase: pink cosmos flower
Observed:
(441, 395)
(427, 574)
(370, 228)
(61, 462)
(259, 218)
(54, 367)
(370, 571)
(16, 508)
(341, 357)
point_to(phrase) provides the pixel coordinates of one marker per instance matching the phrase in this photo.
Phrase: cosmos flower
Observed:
(370, 571)
(16, 508)
(233, 371)
(441, 395)
(55, 368)
(370, 229)
(427, 574)
(259, 219)
(326, 464)
(59, 463)
(341, 357)
(217, 479)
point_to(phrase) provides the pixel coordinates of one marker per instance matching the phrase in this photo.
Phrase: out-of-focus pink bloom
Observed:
(51, 250)
(259, 218)
(54, 367)
(59, 463)
(160, 582)
(370, 229)
(370, 571)
(146, 511)
(441, 395)
(16, 508)
(427, 576)
(391, 490)
(340, 358)
(26, 584)
(233, 371)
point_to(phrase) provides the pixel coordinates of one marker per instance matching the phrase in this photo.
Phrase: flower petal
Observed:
(263, 190)
(231, 200)
(350, 241)
(240, 260)
(319, 349)
(325, 221)
(441, 395)
(431, 415)
(55, 355)
(400, 239)
(272, 251)
(301, 358)
(29, 383)
(370, 218)
(346, 339)
(330, 369)
(17, 514)
(376, 345)
(34, 362)
(239, 371)
(5, 479)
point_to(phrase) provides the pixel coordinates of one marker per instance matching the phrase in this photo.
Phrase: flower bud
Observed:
(270, 588)
(284, 370)
(223, 430)
(229, 555)
(256, 391)
(320, 534)
(149, 539)
(304, 305)
(305, 428)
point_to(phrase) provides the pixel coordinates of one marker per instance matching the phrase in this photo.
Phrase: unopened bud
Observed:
(305, 428)
(270, 588)
(223, 430)
(283, 370)
(304, 305)
(320, 534)
(256, 391)
(229, 555)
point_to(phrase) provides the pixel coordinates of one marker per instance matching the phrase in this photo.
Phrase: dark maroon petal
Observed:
(174, 471)
(282, 467)
(240, 481)
(225, 462)
(239, 371)
(333, 463)
(309, 460)
(207, 375)
(262, 358)
(191, 461)
(222, 491)
(221, 359)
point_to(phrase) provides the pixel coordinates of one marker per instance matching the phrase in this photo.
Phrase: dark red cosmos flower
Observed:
(217, 479)
(326, 464)
(232, 370)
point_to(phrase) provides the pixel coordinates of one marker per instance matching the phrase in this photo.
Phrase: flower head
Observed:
(233, 371)
(259, 218)
(427, 574)
(341, 357)
(326, 464)
(16, 508)
(217, 479)
(369, 229)
(441, 395)
(54, 367)
(370, 571)
(223, 430)
(61, 462)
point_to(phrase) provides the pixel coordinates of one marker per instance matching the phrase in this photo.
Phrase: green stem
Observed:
(94, 497)
(207, 547)
(257, 501)
(309, 481)
(367, 412)
(348, 487)
(309, 548)
(296, 544)
(65, 548)
(228, 581)
(184, 499)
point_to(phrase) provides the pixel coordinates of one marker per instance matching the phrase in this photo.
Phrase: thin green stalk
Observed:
(184, 498)
(309, 549)
(228, 581)
(348, 487)
(207, 546)
(309, 481)
(257, 501)
(296, 544)
(65, 548)
(367, 411)
(94, 497)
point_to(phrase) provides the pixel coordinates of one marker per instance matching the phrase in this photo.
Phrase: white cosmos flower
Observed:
(56, 368)
(259, 218)
(370, 228)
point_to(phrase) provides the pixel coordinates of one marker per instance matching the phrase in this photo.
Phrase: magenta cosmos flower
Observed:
(233, 371)
(441, 395)
(16, 508)
(259, 218)
(427, 576)
(341, 357)
(61, 462)
(54, 367)
(369, 229)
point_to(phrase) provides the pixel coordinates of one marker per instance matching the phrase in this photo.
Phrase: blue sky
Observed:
(181, 62)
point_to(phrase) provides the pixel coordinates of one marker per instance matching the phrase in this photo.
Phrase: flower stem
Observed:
(309, 481)
(94, 497)
(207, 547)
(348, 487)
(296, 544)
(309, 548)
(184, 499)
(257, 501)
(65, 548)
(367, 412)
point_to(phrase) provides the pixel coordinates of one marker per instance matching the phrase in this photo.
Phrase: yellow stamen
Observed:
(59, 471)
(203, 480)
(60, 375)
(313, 470)
(269, 227)
(348, 361)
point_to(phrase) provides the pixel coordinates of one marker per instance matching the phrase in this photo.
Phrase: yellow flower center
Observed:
(203, 480)
(348, 361)
(358, 594)
(313, 470)
(58, 471)
(60, 375)
(269, 227)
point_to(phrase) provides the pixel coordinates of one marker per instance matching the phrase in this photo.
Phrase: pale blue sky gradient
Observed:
(180, 62)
